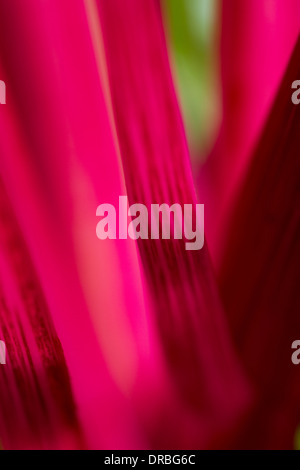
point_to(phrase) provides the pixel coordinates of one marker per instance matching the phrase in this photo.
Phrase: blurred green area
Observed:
(192, 28)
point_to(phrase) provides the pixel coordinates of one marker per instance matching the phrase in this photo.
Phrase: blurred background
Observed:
(140, 344)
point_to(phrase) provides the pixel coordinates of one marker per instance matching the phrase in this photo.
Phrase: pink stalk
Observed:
(156, 164)
(256, 41)
(260, 273)
(59, 161)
